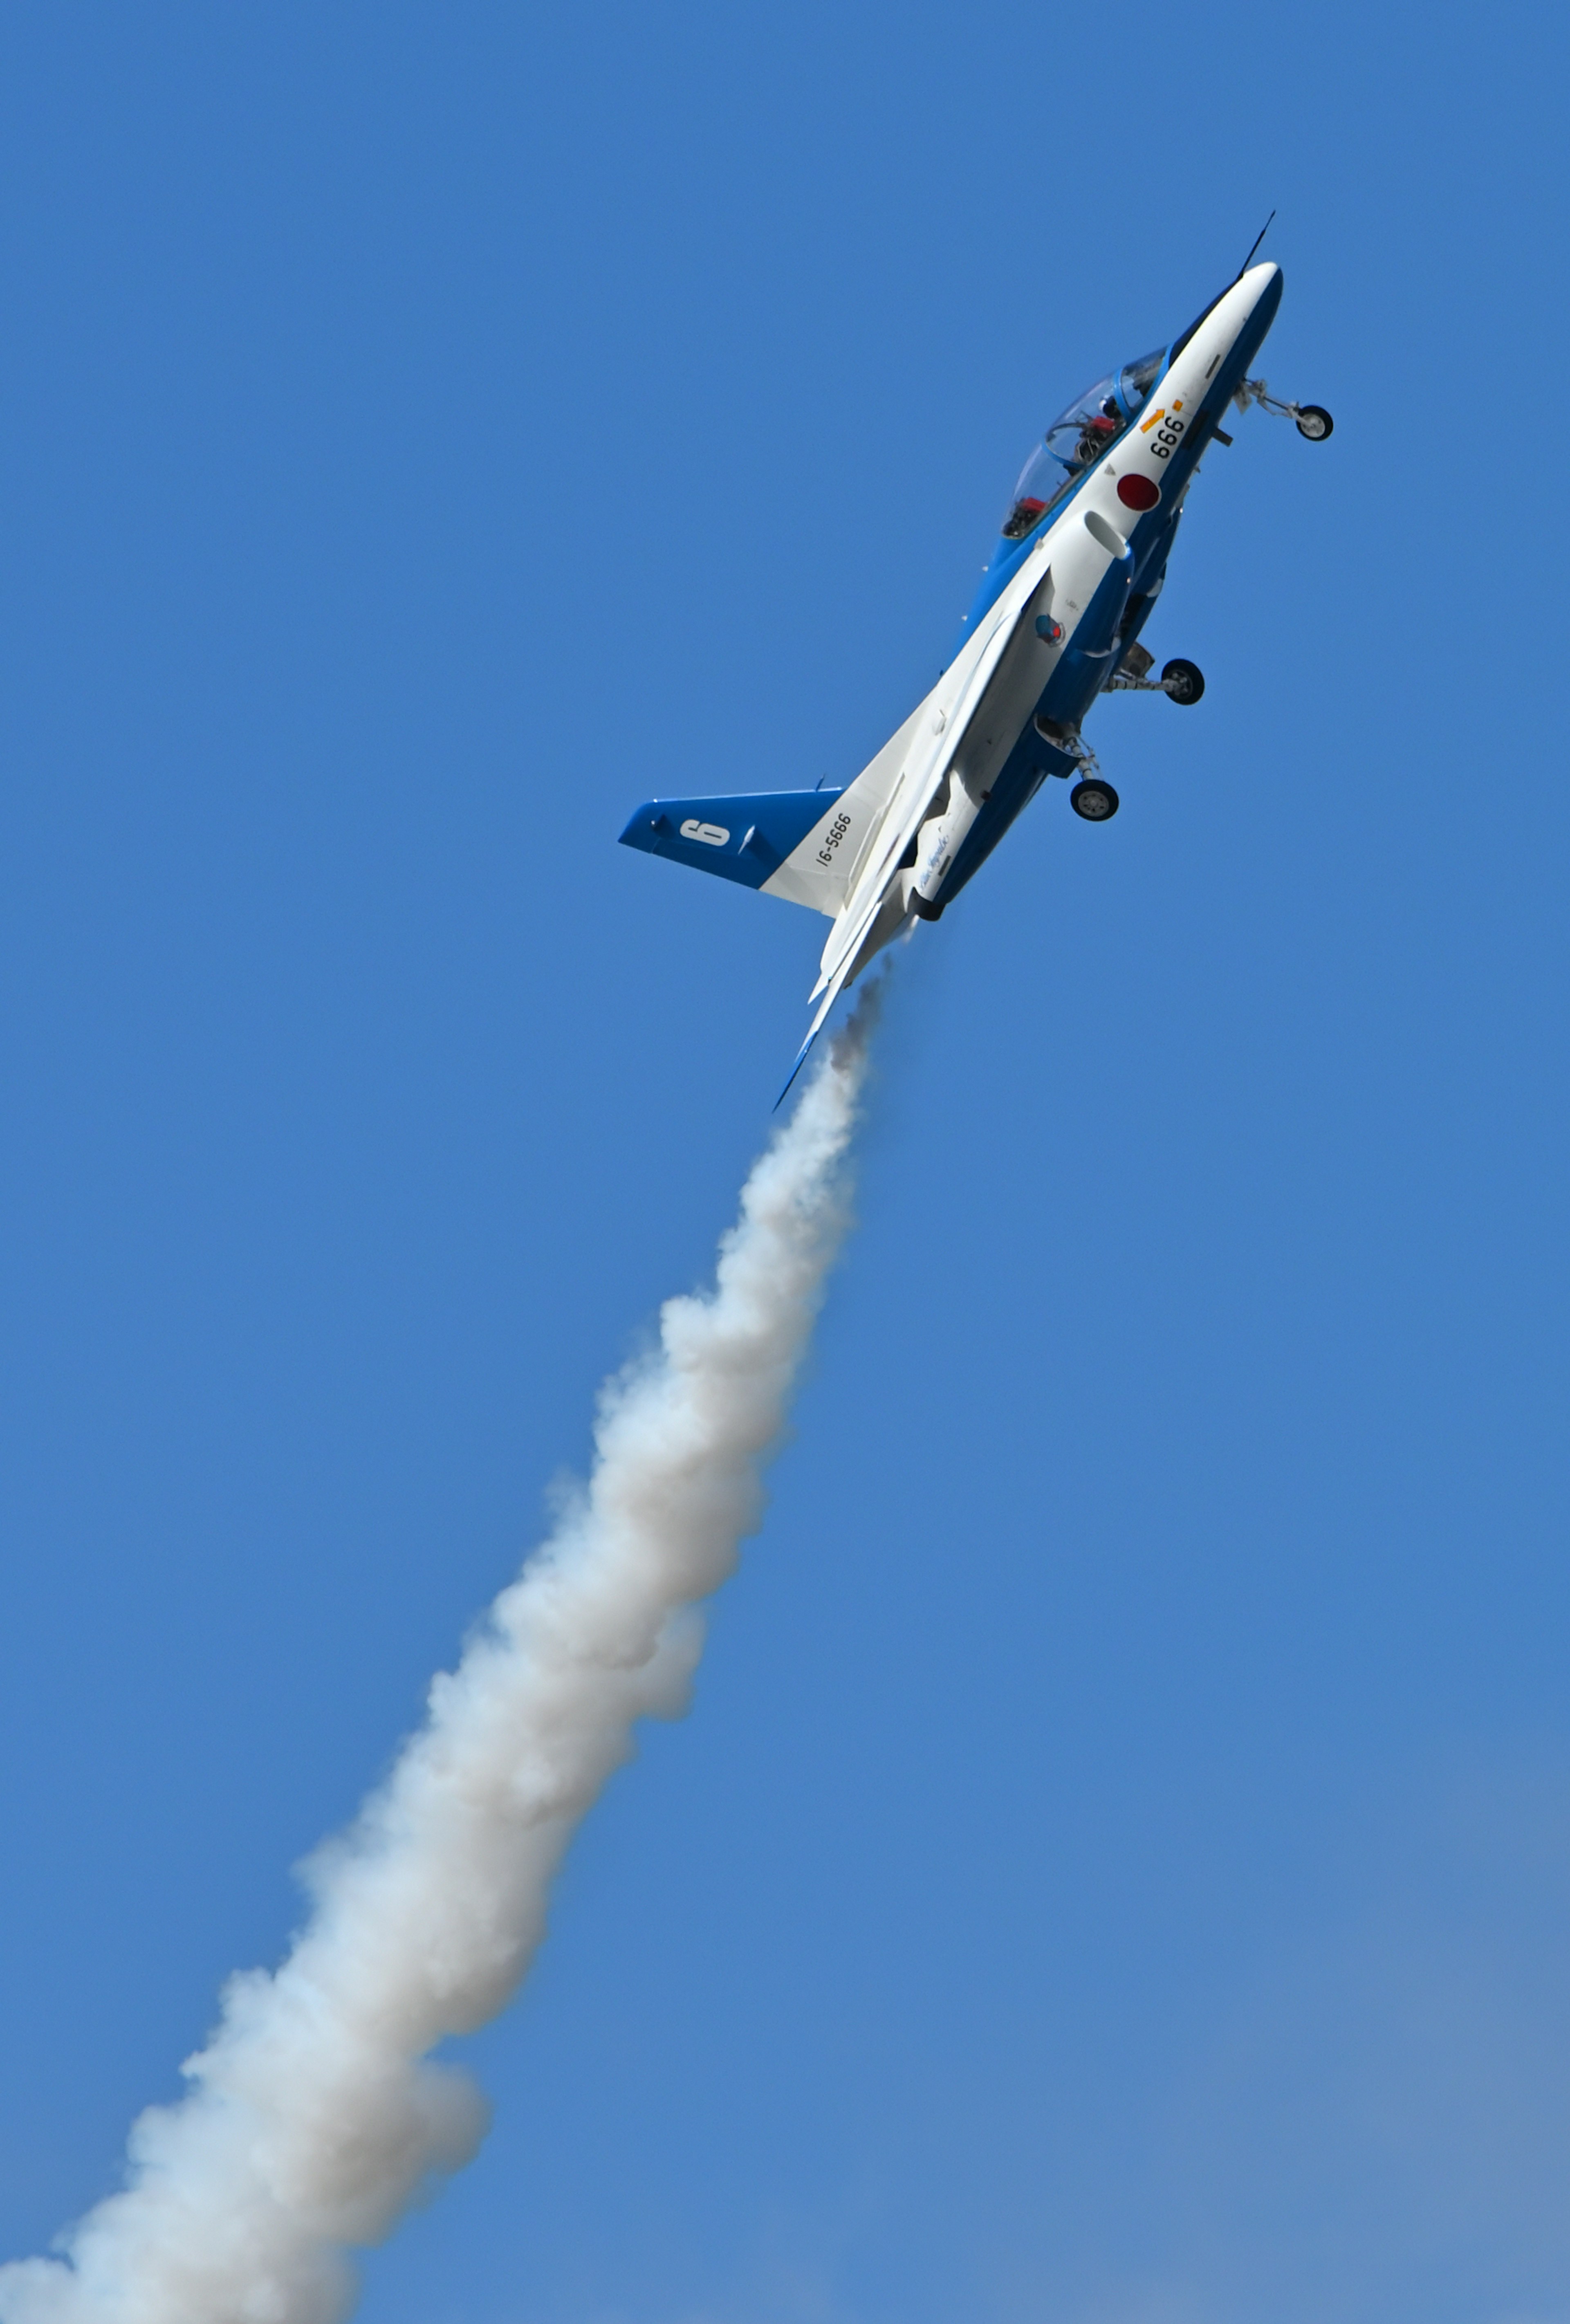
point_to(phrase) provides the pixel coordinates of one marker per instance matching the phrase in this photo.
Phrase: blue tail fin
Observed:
(746, 838)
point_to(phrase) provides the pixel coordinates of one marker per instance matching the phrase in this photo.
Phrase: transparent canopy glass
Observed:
(1077, 437)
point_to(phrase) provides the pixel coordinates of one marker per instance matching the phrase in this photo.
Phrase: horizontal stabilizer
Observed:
(746, 838)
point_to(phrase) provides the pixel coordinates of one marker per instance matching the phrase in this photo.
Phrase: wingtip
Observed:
(795, 1068)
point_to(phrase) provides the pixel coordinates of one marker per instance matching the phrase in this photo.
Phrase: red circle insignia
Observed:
(1137, 492)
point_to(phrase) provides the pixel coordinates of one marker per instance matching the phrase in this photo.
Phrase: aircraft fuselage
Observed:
(1096, 571)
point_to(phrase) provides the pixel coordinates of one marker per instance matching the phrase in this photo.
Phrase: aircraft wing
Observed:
(860, 917)
(918, 759)
(843, 853)
(928, 743)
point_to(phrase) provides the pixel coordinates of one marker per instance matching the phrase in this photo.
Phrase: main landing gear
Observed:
(1180, 681)
(1094, 799)
(1313, 419)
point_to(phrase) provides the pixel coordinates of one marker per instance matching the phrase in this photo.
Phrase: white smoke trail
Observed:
(314, 2113)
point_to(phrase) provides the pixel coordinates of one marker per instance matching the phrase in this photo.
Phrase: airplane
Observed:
(1056, 623)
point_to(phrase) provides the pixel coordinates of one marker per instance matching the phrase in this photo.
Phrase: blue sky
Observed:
(1117, 1869)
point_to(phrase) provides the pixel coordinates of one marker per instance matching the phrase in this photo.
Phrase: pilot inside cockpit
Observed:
(1098, 430)
(1076, 439)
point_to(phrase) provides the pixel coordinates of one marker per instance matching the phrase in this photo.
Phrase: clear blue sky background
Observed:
(1118, 1867)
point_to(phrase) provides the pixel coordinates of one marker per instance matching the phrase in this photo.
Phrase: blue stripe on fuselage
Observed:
(1086, 662)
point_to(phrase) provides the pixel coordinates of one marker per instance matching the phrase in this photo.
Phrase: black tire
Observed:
(1184, 682)
(1095, 801)
(1315, 422)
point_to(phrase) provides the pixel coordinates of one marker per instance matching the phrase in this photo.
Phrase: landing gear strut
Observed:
(1093, 797)
(1184, 681)
(1313, 420)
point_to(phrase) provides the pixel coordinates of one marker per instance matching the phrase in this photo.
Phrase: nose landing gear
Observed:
(1183, 682)
(1313, 419)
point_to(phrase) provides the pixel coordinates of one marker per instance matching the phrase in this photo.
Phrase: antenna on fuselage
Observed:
(1259, 237)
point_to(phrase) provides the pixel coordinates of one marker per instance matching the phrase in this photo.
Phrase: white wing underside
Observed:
(914, 765)
(1001, 669)
(889, 802)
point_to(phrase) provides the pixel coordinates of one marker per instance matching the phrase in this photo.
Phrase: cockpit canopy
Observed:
(1078, 438)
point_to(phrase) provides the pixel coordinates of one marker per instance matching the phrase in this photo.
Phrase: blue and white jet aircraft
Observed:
(1056, 623)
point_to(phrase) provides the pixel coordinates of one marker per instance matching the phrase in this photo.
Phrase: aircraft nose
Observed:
(1266, 281)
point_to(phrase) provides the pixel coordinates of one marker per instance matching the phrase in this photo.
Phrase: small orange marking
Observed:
(1178, 405)
(1146, 425)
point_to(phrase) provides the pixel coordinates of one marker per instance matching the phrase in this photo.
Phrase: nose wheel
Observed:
(1313, 419)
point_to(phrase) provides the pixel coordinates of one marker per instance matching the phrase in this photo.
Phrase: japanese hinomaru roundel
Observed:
(1056, 621)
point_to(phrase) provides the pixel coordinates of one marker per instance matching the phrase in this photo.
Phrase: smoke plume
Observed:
(314, 2113)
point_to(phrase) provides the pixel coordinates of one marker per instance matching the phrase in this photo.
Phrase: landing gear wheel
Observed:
(1315, 422)
(1184, 681)
(1096, 801)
